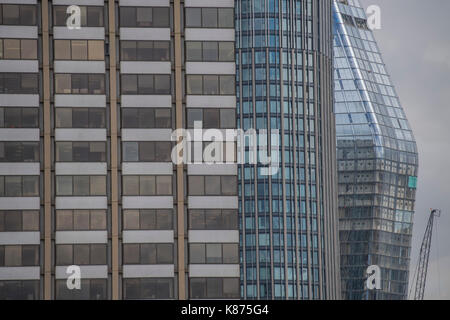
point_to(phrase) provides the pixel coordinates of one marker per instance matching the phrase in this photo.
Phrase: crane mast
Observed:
(424, 256)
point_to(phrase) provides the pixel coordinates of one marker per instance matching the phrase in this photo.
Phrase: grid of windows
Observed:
(146, 118)
(210, 84)
(209, 18)
(212, 185)
(210, 51)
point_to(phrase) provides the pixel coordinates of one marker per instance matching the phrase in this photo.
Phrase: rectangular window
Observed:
(14, 220)
(146, 118)
(80, 83)
(148, 288)
(148, 253)
(147, 151)
(210, 51)
(15, 14)
(212, 185)
(19, 289)
(19, 186)
(209, 18)
(145, 50)
(210, 84)
(25, 49)
(11, 151)
(80, 117)
(156, 17)
(212, 118)
(19, 83)
(82, 151)
(79, 50)
(148, 219)
(213, 219)
(19, 255)
(145, 84)
(214, 288)
(81, 254)
(91, 16)
(146, 185)
(81, 185)
(91, 289)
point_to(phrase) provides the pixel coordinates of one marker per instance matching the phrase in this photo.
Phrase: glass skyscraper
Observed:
(377, 162)
(288, 221)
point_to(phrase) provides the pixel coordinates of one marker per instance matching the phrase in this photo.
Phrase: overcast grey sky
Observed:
(415, 43)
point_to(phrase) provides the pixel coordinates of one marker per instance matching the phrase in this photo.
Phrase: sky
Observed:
(414, 40)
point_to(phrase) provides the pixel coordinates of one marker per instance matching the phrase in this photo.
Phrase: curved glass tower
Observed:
(377, 162)
(288, 221)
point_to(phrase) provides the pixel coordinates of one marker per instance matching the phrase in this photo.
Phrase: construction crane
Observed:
(420, 275)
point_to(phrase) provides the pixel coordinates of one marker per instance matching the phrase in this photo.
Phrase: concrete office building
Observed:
(289, 237)
(86, 175)
(377, 162)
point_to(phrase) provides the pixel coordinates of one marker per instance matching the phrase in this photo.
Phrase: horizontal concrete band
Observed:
(145, 67)
(148, 271)
(80, 168)
(79, 66)
(151, 202)
(88, 33)
(86, 272)
(29, 66)
(145, 34)
(19, 100)
(209, 34)
(20, 134)
(77, 237)
(80, 100)
(213, 202)
(81, 203)
(146, 134)
(193, 101)
(80, 134)
(209, 3)
(79, 2)
(20, 273)
(19, 168)
(210, 68)
(146, 101)
(214, 270)
(214, 236)
(22, 238)
(147, 236)
(19, 203)
(143, 168)
(212, 169)
(21, 32)
(140, 3)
